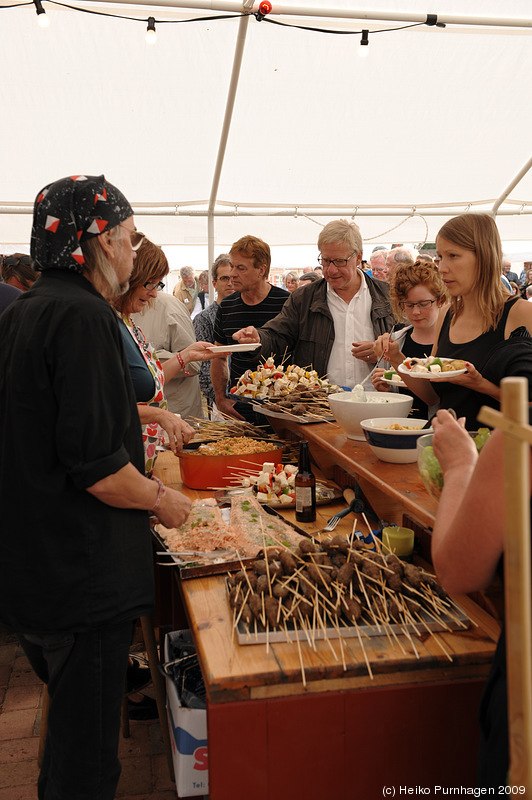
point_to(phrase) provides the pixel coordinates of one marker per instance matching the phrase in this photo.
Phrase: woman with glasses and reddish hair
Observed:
(483, 325)
(417, 293)
(147, 372)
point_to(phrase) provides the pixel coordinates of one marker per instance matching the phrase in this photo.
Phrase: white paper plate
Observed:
(393, 383)
(432, 375)
(233, 348)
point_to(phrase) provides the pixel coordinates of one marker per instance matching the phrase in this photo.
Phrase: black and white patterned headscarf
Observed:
(70, 211)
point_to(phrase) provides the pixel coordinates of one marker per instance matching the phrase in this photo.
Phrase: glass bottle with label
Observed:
(305, 486)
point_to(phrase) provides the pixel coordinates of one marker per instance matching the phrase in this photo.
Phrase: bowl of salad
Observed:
(429, 466)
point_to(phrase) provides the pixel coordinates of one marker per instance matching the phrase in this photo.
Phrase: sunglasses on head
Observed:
(12, 261)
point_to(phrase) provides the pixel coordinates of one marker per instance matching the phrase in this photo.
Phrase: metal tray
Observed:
(195, 569)
(329, 492)
(460, 621)
(263, 409)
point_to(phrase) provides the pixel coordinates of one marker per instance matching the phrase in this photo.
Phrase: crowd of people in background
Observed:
(114, 366)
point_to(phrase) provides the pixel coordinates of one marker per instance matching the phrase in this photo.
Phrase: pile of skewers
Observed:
(215, 429)
(334, 589)
(209, 429)
(301, 402)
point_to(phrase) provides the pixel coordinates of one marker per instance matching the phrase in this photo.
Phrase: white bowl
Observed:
(396, 446)
(349, 412)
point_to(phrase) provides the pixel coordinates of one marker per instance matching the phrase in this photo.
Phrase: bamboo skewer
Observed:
(303, 678)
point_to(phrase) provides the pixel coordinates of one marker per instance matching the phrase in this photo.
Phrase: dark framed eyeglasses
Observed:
(420, 304)
(338, 262)
(150, 285)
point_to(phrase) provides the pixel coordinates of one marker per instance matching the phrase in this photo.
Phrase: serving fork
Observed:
(330, 526)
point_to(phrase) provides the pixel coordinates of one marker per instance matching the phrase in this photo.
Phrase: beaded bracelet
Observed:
(182, 364)
(160, 493)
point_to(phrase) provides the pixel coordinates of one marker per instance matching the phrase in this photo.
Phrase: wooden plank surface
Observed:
(232, 671)
(390, 488)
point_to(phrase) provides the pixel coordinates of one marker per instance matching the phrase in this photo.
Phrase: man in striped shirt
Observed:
(254, 302)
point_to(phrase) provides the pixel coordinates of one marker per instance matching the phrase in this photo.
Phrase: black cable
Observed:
(340, 33)
(135, 19)
(430, 21)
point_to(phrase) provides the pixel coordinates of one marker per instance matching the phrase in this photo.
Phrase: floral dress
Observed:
(152, 433)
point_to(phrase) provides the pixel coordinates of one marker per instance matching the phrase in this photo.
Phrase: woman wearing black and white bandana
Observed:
(75, 549)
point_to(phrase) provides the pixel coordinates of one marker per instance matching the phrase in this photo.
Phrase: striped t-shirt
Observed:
(233, 314)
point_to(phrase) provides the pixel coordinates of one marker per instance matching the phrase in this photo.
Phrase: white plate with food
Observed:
(233, 348)
(432, 367)
(394, 380)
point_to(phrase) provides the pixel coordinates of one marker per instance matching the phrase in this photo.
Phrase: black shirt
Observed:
(413, 349)
(68, 418)
(233, 314)
(467, 402)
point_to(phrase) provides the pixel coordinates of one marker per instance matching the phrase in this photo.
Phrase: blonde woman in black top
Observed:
(484, 325)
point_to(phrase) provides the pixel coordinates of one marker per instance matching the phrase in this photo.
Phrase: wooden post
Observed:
(517, 576)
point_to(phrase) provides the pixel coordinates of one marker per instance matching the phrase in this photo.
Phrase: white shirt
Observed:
(197, 307)
(352, 323)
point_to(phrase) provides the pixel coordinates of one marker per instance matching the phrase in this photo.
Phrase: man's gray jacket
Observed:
(305, 328)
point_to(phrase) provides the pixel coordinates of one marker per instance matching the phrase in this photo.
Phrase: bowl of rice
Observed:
(394, 439)
(221, 463)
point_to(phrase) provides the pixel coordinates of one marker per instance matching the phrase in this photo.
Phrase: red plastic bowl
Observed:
(200, 471)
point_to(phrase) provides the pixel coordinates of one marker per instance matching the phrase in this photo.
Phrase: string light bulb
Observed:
(42, 18)
(151, 35)
(364, 43)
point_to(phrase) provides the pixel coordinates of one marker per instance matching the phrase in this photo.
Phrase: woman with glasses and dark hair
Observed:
(417, 293)
(17, 270)
(147, 372)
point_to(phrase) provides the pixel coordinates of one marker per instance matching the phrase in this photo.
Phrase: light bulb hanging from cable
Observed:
(151, 35)
(364, 43)
(42, 18)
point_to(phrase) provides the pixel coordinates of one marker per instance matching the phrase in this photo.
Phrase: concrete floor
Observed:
(145, 774)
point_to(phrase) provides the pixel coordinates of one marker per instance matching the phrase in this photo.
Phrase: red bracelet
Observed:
(182, 364)
(160, 493)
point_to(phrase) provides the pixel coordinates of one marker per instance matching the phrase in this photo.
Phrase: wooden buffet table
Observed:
(343, 735)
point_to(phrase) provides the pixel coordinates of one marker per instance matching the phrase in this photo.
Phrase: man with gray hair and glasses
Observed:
(332, 323)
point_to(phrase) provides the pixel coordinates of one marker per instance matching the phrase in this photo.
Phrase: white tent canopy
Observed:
(233, 126)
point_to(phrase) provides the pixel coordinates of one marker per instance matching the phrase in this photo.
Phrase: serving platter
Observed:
(458, 620)
(262, 408)
(203, 564)
(325, 493)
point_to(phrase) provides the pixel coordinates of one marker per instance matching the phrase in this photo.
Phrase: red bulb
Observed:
(265, 7)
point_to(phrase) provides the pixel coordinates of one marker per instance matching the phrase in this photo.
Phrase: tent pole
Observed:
(228, 116)
(520, 175)
(237, 6)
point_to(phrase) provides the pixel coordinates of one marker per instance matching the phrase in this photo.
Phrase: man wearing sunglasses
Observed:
(331, 324)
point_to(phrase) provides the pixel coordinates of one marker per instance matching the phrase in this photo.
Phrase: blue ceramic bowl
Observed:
(396, 446)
